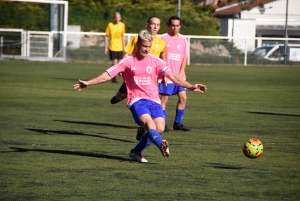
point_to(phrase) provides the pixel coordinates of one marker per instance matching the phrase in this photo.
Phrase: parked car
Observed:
(275, 52)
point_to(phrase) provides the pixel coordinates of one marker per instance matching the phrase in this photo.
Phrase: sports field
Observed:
(61, 144)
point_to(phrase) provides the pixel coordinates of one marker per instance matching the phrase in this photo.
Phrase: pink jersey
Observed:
(140, 76)
(176, 51)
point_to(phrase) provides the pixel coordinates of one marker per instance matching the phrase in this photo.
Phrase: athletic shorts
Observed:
(170, 89)
(145, 106)
(116, 55)
(123, 88)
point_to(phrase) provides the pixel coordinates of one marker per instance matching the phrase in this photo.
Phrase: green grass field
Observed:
(61, 144)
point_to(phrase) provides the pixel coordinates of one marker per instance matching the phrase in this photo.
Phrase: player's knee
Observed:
(148, 122)
(160, 129)
(183, 99)
(160, 125)
(164, 99)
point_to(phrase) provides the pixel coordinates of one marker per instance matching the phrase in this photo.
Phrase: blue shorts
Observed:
(170, 89)
(145, 106)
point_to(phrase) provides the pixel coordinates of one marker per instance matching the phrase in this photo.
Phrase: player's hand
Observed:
(202, 87)
(105, 50)
(199, 88)
(80, 85)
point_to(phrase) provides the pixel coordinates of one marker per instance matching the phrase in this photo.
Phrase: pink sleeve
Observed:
(118, 68)
(162, 68)
(186, 53)
(165, 71)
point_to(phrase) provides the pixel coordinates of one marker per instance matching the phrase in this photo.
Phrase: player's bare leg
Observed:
(114, 62)
(164, 99)
(153, 128)
(182, 98)
(142, 129)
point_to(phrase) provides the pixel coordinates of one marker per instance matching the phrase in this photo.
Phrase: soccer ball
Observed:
(253, 148)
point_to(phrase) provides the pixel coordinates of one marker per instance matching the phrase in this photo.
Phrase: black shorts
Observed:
(116, 55)
(123, 88)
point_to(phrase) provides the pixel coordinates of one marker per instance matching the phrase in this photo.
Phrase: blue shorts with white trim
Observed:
(171, 89)
(144, 106)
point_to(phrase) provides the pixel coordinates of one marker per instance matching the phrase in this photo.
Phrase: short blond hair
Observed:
(144, 35)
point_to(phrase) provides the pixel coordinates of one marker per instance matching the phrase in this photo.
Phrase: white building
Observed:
(263, 18)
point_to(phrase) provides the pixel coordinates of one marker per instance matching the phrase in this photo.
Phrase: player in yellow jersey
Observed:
(158, 49)
(115, 32)
(158, 45)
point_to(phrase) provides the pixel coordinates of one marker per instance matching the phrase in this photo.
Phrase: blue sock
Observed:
(142, 144)
(148, 143)
(165, 116)
(179, 115)
(155, 137)
(151, 136)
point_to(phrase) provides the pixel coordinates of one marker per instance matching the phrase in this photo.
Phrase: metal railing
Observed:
(89, 47)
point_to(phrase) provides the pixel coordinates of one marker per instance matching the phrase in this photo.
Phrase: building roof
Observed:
(276, 27)
(236, 6)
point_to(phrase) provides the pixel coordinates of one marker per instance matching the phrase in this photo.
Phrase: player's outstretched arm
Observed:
(104, 77)
(181, 82)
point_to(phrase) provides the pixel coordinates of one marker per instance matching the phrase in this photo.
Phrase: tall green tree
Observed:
(96, 14)
(28, 16)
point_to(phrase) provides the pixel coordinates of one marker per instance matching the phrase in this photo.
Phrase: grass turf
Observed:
(60, 144)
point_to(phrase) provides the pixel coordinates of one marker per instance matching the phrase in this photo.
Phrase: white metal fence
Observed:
(89, 47)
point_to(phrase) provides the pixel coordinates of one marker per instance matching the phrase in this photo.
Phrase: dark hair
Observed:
(150, 18)
(173, 18)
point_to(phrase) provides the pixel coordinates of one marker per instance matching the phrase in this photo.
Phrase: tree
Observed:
(95, 15)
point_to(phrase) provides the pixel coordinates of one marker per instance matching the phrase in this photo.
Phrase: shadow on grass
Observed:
(231, 167)
(97, 124)
(223, 166)
(273, 113)
(45, 131)
(74, 153)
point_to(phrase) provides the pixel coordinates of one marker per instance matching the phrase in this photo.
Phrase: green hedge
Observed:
(95, 15)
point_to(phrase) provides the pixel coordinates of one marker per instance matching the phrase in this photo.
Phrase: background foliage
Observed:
(95, 15)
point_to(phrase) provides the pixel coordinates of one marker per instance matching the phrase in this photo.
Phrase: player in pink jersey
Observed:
(140, 72)
(176, 57)
(157, 49)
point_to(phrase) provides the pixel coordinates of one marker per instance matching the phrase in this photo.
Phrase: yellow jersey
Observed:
(158, 47)
(115, 33)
